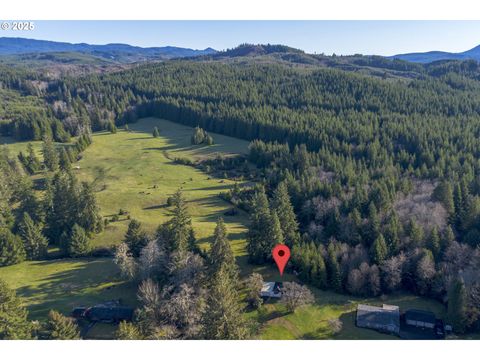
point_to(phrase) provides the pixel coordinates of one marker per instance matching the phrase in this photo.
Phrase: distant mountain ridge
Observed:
(119, 52)
(431, 56)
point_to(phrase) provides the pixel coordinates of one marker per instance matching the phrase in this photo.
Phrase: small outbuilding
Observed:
(271, 289)
(420, 318)
(385, 318)
(109, 312)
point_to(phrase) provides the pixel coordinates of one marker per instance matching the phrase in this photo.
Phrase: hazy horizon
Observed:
(340, 37)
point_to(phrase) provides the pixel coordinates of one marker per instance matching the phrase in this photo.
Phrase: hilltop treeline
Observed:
(24, 114)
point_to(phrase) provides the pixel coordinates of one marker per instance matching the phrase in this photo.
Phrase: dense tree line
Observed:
(67, 215)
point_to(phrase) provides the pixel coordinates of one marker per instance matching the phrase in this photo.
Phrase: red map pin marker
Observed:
(281, 254)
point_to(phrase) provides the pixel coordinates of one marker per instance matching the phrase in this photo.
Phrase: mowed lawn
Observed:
(140, 175)
(313, 321)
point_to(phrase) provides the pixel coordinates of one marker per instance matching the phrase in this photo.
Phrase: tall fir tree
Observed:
(434, 243)
(223, 318)
(14, 324)
(283, 207)
(448, 238)
(33, 164)
(64, 161)
(221, 253)
(392, 234)
(50, 155)
(180, 224)
(333, 268)
(379, 250)
(78, 243)
(373, 229)
(319, 271)
(89, 216)
(259, 241)
(416, 234)
(60, 206)
(457, 306)
(135, 237)
(276, 233)
(12, 250)
(34, 242)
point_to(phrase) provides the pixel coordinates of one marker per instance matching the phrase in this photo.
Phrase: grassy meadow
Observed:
(138, 176)
(66, 283)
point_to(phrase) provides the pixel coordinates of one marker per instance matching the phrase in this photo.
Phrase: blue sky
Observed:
(340, 37)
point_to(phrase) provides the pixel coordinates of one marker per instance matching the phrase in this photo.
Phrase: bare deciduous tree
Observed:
(356, 282)
(336, 325)
(151, 260)
(295, 295)
(125, 261)
(392, 271)
(186, 268)
(184, 309)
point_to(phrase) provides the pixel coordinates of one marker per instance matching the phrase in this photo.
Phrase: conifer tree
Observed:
(135, 237)
(60, 206)
(50, 155)
(319, 271)
(128, 331)
(88, 211)
(434, 243)
(64, 160)
(223, 318)
(221, 253)
(14, 324)
(373, 224)
(392, 234)
(180, 224)
(259, 241)
(34, 242)
(333, 269)
(282, 206)
(33, 164)
(59, 327)
(416, 233)
(457, 306)
(379, 250)
(448, 238)
(12, 250)
(78, 243)
(444, 193)
(276, 236)
(156, 132)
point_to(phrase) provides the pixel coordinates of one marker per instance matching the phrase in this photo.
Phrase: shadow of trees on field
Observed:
(76, 286)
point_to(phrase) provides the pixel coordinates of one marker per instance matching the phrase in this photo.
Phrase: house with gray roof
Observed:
(385, 318)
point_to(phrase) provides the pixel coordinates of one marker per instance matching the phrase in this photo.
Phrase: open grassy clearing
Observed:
(139, 177)
(66, 283)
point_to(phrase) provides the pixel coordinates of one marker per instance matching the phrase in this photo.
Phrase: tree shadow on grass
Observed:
(156, 207)
(92, 281)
